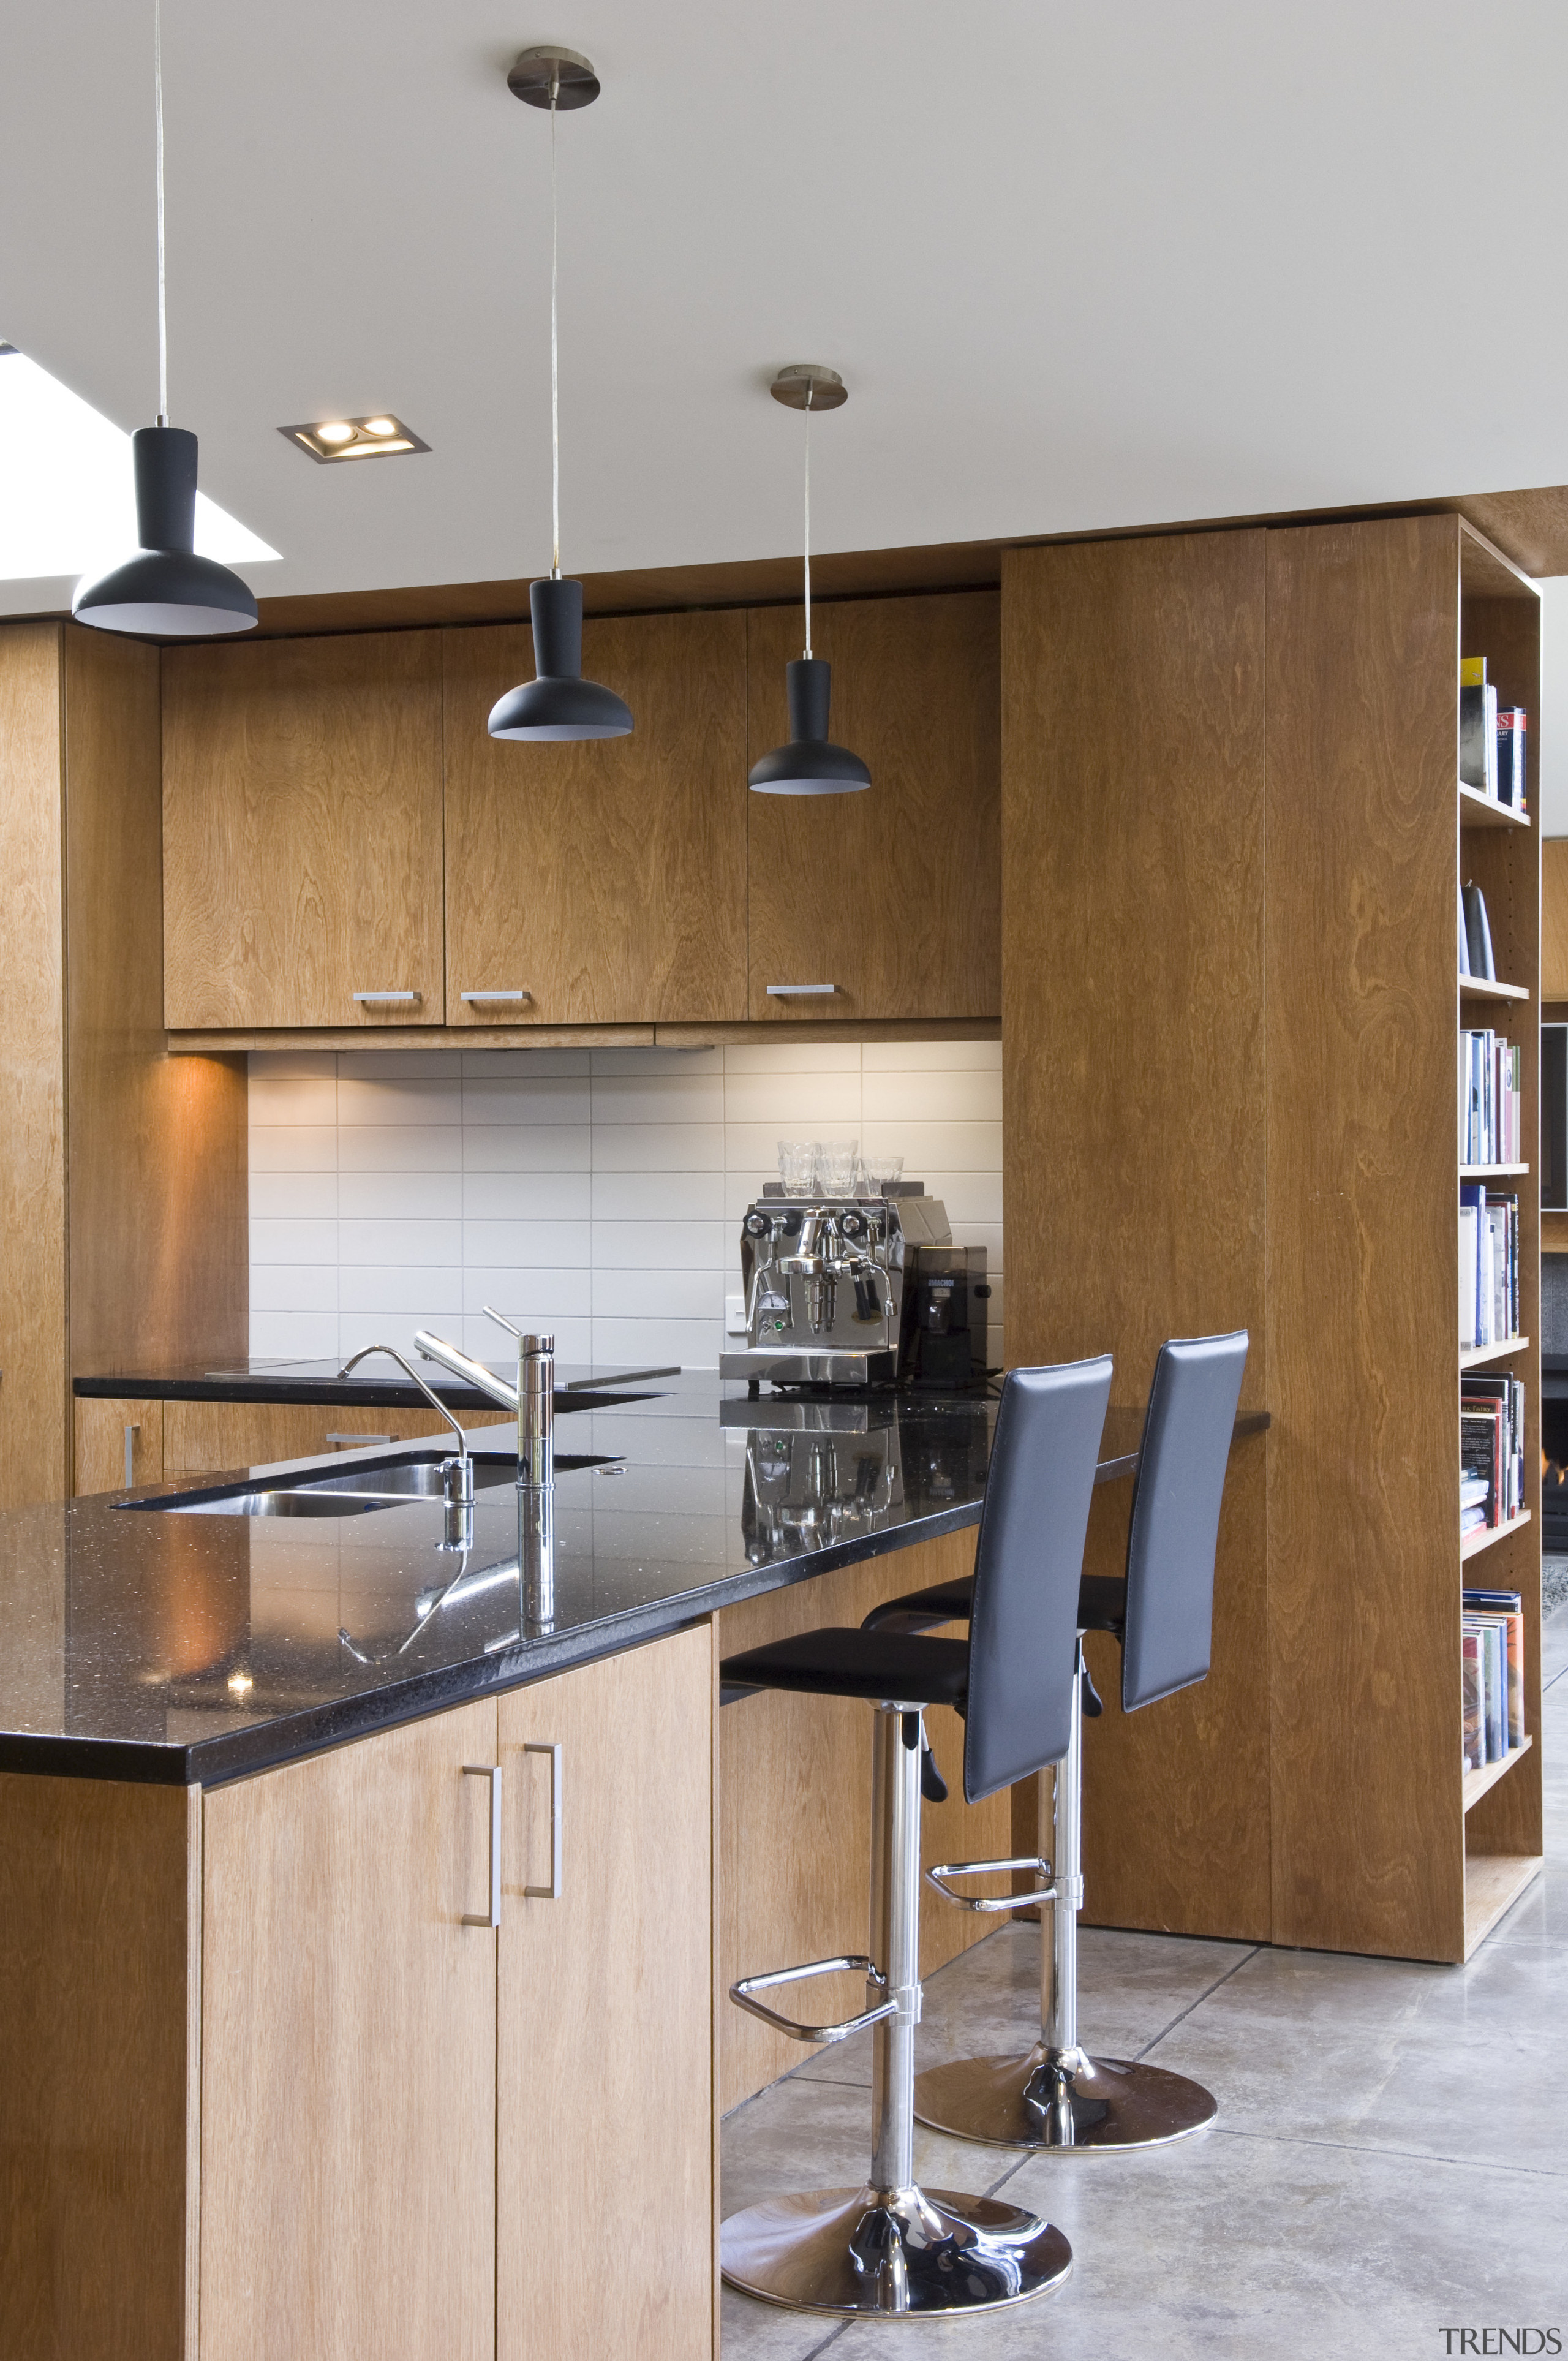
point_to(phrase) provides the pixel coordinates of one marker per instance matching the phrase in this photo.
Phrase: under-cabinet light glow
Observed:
(70, 504)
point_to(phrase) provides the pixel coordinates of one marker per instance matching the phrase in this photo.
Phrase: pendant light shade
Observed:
(165, 588)
(559, 704)
(810, 764)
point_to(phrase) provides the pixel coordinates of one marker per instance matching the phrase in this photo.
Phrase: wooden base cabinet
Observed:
(605, 2191)
(274, 2085)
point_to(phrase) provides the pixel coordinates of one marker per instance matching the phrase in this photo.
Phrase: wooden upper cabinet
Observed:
(606, 881)
(893, 897)
(302, 831)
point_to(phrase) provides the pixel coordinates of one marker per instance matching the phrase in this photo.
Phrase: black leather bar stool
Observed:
(1056, 2095)
(892, 2247)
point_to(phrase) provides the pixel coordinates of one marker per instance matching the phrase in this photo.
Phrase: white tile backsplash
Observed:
(598, 1190)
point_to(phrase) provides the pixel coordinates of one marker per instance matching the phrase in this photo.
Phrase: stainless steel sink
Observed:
(356, 1492)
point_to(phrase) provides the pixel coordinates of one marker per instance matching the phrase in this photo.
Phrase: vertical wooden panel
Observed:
(158, 1181)
(1364, 1489)
(1133, 1030)
(893, 895)
(604, 2165)
(1553, 914)
(795, 1804)
(34, 1403)
(606, 880)
(348, 2127)
(97, 1942)
(302, 830)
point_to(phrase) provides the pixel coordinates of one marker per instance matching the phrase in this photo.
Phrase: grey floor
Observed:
(1390, 2158)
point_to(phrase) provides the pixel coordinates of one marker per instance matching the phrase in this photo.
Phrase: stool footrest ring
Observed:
(939, 1875)
(742, 1994)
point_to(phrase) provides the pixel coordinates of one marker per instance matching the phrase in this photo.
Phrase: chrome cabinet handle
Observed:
(490, 1771)
(551, 1893)
(800, 991)
(131, 1434)
(366, 1441)
(478, 997)
(385, 999)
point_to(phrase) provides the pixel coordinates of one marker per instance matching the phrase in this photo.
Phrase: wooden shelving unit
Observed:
(1500, 619)
(1478, 987)
(1475, 1356)
(1478, 1783)
(1487, 1536)
(1251, 738)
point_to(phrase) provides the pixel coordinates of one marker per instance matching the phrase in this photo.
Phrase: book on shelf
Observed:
(1512, 726)
(1478, 935)
(1491, 1076)
(1491, 1446)
(1492, 1675)
(1477, 727)
(1489, 1266)
(1491, 738)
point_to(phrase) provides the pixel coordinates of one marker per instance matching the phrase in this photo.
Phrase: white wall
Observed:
(597, 1190)
(1552, 720)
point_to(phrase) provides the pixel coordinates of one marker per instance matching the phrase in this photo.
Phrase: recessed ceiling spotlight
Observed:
(354, 438)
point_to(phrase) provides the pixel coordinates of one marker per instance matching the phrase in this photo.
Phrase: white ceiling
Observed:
(1082, 265)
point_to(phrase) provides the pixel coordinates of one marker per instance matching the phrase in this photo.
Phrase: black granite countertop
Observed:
(375, 1385)
(180, 1647)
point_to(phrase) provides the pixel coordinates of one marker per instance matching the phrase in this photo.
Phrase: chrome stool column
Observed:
(890, 2248)
(1055, 2095)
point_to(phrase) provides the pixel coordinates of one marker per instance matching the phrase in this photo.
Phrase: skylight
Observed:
(69, 505)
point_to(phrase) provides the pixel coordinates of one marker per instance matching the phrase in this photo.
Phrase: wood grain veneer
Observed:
(99, 1939)
(100, 1457)
(1364, 640)
(608, 880)
(158, 1181)
(795, 1811)
(348, 2102)
(34, 1436)
(1133, 1031)
(302, 831)
(605, 2052)
(207, 1437)
(893, 895)
(1554, 919)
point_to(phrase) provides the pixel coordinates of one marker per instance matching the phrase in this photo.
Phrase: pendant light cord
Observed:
(554, 347)
(158, 110)
(807, 534)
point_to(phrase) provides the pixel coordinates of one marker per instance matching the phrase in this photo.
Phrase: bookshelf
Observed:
(1250, 738)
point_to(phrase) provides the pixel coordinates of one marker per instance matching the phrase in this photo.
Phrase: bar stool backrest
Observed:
(1175, 1515)
(1028, 1566)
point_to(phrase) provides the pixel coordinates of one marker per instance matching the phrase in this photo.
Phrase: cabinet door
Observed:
(302, 831)
(102, 1431)
(605, 880)
(349, 2025)
(605, 2045)
(892, 897)
(209, 1438)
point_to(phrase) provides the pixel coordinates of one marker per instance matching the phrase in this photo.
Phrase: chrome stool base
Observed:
(873, 2254)
(1029, 2102)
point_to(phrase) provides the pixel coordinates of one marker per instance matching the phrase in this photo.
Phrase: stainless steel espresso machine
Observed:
(858, 1291)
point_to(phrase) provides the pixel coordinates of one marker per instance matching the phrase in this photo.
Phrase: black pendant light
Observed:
(810, 764)
(559, 704)
(165, 588)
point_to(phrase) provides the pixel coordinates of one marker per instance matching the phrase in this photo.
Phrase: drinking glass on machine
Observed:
(836, 1162)
(880, 1171)
(797, 1164)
